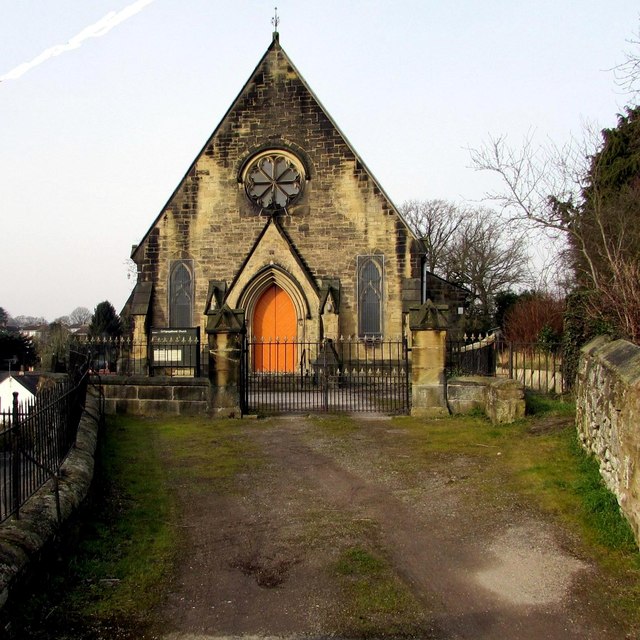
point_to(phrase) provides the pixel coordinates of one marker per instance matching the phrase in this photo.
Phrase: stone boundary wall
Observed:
(22, 540)
(608, 417)
(155, 396)
(501, 399)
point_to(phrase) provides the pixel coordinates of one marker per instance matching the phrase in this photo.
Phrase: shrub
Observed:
(535, 319)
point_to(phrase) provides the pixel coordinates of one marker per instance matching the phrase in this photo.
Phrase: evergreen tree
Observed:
(606, 243)
(105, 321)
(16, 351)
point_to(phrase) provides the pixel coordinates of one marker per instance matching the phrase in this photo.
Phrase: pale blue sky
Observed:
(94, 140)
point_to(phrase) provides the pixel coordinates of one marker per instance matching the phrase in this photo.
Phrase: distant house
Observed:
(35, 331)
(26, 385)
(79, 329)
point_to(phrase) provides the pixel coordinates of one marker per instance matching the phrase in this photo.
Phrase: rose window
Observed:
(273, 181)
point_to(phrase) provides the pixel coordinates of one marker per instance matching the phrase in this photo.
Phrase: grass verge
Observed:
(375, 598)
(110, 584)
(107, 585)
(127, 551)
(118, 574)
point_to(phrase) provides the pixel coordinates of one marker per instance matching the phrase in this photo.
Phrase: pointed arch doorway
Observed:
(274, 327)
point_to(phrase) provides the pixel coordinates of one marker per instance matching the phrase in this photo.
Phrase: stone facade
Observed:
(608, 417)
(235, 249)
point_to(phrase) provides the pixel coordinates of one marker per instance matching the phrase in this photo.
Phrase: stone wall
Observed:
(155, 396)
(502, 399)
(608, 417)
(22, 540)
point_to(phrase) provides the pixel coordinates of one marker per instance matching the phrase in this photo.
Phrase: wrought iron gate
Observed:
(346, 375)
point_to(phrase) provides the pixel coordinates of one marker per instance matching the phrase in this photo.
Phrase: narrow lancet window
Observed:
(181, 295)
(370, 272)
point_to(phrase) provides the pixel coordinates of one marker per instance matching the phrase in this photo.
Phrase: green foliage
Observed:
(573, 337)
(358, 561)
(130, 540)
(205, 456)
(579, 327)
(375, 598)
(539, 404)
(617, 166)
(113, 578)
(549, 339)
(119, 574)
(600, 506)
(606, 229)
(16, 351)
(105, 322)
(4, 317)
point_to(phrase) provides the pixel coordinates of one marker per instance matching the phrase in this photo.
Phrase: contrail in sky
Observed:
(100, 28)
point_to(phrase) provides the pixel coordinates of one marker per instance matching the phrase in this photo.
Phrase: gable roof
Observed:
(275, 49)
(273, 223)
(29, 382)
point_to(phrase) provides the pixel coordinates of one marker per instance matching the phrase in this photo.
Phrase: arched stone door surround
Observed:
(275, 309)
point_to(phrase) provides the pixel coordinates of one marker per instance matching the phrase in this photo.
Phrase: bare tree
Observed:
(436, 223)
(487, 256)
(80, 315)
(627, 73)
(578, 194)
(471, 247)
(26, 321)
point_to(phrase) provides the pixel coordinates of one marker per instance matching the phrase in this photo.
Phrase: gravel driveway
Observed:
(265, 557)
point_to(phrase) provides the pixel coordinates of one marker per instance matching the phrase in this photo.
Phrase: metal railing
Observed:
(35, 438)
(472, 355)
(538, 368)
(346, 375)
(157, 356)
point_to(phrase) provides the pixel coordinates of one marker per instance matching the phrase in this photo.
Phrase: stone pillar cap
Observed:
(429, 316)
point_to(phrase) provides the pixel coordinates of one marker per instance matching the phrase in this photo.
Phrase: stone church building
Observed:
(279, 223)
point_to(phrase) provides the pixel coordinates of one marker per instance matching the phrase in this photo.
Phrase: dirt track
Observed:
(259, 558)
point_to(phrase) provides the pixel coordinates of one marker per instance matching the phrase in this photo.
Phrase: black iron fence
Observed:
(347, 375)
(35, 438)
(472, 355)
(537, 367)
(168, 354)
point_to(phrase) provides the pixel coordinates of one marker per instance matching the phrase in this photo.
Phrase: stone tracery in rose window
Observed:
(273, 181)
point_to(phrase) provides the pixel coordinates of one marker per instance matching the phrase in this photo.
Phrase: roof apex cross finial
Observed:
(275, 21)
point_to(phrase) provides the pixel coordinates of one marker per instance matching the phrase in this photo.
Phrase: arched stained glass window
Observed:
(370, 271)
(181, 295)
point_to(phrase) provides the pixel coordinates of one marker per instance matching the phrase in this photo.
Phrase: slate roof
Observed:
(28, 381)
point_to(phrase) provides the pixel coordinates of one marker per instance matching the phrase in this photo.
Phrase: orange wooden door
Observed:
(274, 330)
